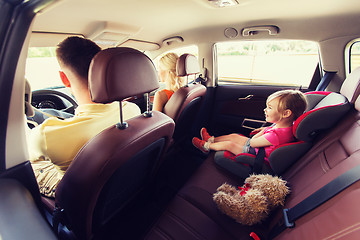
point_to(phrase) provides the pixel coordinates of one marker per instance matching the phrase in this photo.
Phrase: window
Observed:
(42, 68)
(354, 56)
(280, 62)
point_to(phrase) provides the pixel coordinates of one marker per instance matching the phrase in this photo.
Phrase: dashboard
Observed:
(47, 101)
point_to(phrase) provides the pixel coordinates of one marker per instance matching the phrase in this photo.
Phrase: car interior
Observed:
(143, 178)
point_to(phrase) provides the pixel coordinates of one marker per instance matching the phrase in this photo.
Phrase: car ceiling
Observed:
(151, 21)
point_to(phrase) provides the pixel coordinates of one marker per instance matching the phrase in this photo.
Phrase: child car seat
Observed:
(323, 111)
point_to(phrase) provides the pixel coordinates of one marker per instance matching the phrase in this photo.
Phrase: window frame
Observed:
(347, 54)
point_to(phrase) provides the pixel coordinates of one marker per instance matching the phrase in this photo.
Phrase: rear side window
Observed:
(280, 62)
(354, 56)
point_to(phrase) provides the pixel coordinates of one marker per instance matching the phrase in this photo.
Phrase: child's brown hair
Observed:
(293, 100)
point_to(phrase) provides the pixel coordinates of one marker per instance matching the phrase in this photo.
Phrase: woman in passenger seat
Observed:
(282, 109)
(167, 74)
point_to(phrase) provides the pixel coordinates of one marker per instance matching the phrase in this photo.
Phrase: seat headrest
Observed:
(351, 86)
(118, 73)
(324, 110)
(187, 64)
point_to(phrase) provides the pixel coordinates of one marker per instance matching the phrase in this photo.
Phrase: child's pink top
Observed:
(277, 136)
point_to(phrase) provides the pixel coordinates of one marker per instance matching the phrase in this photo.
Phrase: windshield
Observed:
(42, 68)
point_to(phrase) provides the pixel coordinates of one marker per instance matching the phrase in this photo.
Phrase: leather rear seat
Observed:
(193, 215)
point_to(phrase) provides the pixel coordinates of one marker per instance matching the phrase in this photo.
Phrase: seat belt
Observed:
(316, 199)
(325, 81)
(259, 161)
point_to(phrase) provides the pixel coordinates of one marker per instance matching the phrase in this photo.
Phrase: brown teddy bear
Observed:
(273, 187)
(251, 203)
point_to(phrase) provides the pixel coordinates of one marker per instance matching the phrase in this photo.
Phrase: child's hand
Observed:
(255, 131)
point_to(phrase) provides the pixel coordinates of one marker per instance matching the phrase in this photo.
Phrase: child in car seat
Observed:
(282, 109)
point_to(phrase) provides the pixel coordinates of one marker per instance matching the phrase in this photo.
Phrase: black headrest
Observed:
(187, 64)
(118, 73)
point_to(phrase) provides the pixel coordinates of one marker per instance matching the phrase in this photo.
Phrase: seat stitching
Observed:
(184, 197)
(161, 232)
(185, 225)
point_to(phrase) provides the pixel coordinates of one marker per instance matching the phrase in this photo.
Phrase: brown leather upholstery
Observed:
(115, 75)
(117, 164)
(79, 191)
(182, 98)
(48, 203)
(186, 65)
(184, 104)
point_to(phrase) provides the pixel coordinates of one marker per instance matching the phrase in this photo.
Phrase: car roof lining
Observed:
(116, 17)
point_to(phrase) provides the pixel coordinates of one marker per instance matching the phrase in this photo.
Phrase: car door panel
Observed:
(240, 108)
(20, 217)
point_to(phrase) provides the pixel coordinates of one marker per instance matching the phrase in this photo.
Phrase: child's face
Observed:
(271, 111)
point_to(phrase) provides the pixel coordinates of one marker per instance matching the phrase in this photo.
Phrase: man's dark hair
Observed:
(77, 53)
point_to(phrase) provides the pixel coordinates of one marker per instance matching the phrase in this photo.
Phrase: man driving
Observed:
(54, 143)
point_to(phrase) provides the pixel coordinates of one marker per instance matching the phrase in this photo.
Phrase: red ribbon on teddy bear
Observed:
(244, 189)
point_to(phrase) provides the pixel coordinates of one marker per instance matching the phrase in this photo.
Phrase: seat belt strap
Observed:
(316, 199)
(259, 161)
(325, 81)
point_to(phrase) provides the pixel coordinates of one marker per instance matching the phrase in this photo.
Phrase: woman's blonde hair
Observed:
(168, 63)
(293, 100)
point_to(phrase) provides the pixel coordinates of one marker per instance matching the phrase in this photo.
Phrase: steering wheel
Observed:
(48, 98)
(48, 103)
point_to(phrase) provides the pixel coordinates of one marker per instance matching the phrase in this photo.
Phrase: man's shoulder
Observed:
(131, 108)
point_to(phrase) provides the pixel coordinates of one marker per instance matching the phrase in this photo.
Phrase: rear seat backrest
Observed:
(351, 86)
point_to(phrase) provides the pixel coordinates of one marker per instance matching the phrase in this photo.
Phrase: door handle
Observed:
(248, 97)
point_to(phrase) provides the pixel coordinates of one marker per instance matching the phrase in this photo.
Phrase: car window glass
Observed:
(279, 62)
(354, 56)
(42, 68)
